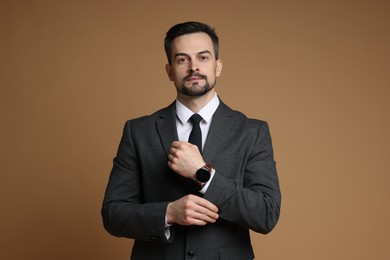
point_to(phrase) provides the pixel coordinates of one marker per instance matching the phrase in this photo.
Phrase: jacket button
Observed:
(153, 238)
(190, 254)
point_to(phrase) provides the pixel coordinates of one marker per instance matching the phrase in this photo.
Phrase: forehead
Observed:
(192, 43)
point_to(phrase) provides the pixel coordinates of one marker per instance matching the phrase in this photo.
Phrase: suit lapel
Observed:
(166, 127)
(220, 127)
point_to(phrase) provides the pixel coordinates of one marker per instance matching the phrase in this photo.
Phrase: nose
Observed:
(193, 67)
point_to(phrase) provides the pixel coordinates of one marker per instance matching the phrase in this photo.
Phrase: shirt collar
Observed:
(207, 112)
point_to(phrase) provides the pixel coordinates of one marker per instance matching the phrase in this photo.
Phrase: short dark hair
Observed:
(187, 28)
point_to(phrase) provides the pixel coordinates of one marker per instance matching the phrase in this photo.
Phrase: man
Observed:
(188, 189)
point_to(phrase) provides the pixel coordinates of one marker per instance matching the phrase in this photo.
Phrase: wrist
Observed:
(168, 218)
(203, 174)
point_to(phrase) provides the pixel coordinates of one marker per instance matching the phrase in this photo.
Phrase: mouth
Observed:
(195, 77)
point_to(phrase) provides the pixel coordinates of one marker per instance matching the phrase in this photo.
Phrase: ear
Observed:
(169, 71)
(218, 68)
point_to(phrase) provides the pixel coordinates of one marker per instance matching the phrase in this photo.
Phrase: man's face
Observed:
(193, 67)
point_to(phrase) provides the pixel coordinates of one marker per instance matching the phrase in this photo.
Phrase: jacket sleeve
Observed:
(123, 211)
(254, 200)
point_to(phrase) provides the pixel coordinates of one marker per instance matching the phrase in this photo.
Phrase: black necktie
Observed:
(196, 133)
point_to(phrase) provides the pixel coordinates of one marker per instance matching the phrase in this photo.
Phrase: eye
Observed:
(203, 58)
(181, 60)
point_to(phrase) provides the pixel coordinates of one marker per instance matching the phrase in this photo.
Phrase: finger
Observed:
(205, 204)
(198, 222)
(203, 213)
(171, 157)
(206, 214)
(204, 217)
(195, 218)
(183, 145)
(172, 150)
(177, 144)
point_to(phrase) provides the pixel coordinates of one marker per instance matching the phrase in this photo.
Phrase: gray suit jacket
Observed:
(245, 188)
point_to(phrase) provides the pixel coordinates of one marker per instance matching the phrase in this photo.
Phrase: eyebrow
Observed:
(185, 54)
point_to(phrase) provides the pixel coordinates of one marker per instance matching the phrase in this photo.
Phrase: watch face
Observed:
(202, 175)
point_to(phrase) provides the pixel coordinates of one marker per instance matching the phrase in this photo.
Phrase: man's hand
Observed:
(185, 159)
(191, 210)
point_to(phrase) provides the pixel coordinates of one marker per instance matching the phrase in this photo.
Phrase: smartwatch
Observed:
(203, 174)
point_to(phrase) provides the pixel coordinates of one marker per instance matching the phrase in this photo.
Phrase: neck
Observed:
(195, 104)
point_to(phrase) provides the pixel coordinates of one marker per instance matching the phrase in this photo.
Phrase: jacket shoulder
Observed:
(162, 113)
(239, 116)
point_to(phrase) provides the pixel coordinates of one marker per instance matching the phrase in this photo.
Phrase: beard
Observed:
(195, 90)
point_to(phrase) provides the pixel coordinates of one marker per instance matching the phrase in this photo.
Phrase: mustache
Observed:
(195, 75)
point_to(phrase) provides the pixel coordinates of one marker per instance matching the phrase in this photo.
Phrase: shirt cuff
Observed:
(167, 231)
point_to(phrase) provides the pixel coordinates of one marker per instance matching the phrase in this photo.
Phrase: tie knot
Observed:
(195, 118)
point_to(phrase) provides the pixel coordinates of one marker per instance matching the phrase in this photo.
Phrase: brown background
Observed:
(72, 72)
